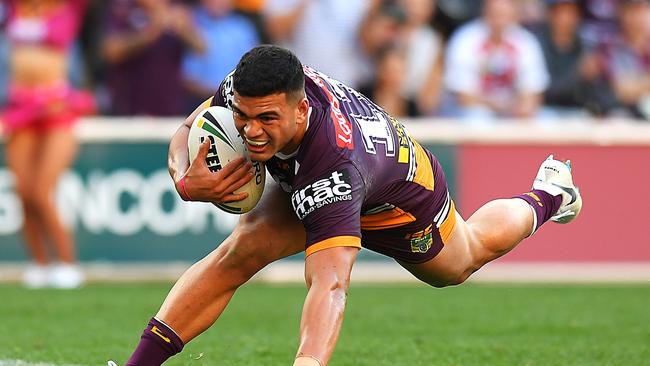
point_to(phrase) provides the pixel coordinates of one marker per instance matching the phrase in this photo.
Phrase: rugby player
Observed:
(349, 176)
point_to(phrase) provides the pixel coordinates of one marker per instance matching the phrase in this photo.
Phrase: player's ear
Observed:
(302, 110)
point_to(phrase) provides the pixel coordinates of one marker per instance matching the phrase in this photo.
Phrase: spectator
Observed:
(323, 34)
(144, 46)
(494, 67)
(41, 110)
(382, 27)
(627, 59)
(452, 14)
(423, 58)
(600, 24)
(572, 71)
(531, 12)
(253, 10)
(389, 78)
(230, 35)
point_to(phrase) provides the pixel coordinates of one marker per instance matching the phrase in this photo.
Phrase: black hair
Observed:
(269, 69)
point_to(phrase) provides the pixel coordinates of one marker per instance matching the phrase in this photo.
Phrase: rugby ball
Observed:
(217, 125)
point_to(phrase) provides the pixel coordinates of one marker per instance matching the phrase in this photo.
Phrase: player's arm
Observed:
(327, 273)
(194, 181)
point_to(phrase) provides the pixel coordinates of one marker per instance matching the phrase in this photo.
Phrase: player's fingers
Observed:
(232, 166)
(237, 174)
(241, 181)
(204, 148)
(230, 185)
(233, 197)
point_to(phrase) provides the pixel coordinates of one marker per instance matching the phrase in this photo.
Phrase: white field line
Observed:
(28, 363)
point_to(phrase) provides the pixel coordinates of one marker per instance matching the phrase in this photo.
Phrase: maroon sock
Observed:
(544, 204)
(157, 343)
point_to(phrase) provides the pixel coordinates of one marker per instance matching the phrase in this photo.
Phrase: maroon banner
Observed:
(614, 224)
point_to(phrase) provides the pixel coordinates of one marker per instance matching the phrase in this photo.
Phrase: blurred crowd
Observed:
(475, 60)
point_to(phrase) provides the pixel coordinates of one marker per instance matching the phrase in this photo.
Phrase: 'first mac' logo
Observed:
(335, 188)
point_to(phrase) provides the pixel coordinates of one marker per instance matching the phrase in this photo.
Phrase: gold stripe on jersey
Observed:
(448, 225)
(424, 171)
(337, 241)
(404, 154)
(207, 103)
(386, 219)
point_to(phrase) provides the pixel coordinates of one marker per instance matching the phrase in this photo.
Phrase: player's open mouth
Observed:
(256, 146)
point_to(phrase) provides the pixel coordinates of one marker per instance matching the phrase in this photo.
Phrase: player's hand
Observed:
(203, 185)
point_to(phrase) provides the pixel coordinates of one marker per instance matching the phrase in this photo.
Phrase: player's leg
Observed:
(498, 226)
(492, 231)
(269, 232)
(21, 151)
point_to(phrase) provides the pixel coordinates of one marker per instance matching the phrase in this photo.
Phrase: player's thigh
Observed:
(269, 232)
(452, 264)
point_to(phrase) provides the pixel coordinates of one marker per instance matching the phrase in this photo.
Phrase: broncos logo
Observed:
(227, 90)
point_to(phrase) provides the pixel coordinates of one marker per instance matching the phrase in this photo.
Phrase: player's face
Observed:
(270, 124)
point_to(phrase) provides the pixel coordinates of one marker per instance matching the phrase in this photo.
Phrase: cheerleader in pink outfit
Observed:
(36, 122)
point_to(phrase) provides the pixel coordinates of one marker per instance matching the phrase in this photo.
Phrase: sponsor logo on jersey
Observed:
(335, 188)
(342, 125)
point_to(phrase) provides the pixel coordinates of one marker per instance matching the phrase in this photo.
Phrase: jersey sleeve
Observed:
(329, 206)
(225, 93)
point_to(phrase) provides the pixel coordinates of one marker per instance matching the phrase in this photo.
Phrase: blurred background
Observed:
(491, 87)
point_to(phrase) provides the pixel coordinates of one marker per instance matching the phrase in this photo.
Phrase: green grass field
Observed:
(385, 325)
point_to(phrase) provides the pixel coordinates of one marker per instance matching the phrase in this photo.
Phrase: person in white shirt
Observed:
(323, 34)
(494, 67)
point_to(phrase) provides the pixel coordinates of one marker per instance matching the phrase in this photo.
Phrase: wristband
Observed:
(184, 195)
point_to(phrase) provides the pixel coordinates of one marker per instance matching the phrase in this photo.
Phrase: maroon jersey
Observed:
(359, 179)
